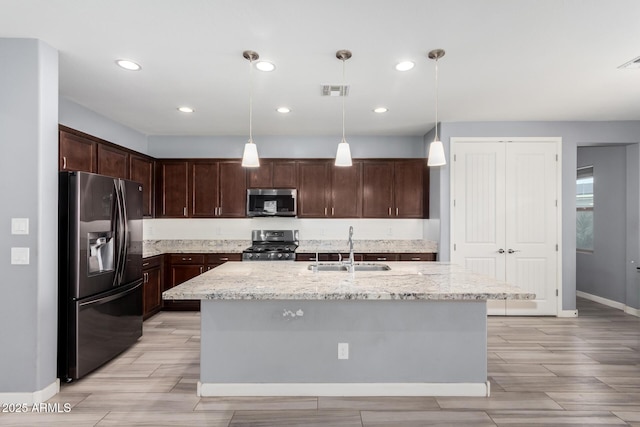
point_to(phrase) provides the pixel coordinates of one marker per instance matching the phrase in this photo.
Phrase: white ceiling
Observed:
(533, 60)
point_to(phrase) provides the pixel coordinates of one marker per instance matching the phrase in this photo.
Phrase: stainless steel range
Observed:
(272, 245)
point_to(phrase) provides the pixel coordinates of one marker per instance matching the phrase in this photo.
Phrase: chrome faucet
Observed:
(351, 257)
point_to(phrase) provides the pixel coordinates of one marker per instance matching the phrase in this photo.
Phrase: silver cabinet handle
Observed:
(397, 211)
(201, 269)
(511, 251)
(325, 211)
(186, 259)
(415, 258)
(219, 210)
(144, 264)
(389, 210)
(381, 259)
(184, 211)
(332, 211)
(500, 251)
(64, 162)
(224, 259)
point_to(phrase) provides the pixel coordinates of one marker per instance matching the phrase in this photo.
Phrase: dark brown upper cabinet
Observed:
(141, 169)
(113, 161)
(394, 188)
(273, 173)
(76, 153)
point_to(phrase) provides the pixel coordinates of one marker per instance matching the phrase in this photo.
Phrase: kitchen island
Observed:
(279, 328)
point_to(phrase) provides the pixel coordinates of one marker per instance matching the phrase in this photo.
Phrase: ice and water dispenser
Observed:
(101, 252)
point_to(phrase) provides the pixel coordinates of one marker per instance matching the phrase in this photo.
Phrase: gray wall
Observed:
(633, 226)
(603, 272)
(29, 188)
(285, 146)
(80, 118)
(573, 134)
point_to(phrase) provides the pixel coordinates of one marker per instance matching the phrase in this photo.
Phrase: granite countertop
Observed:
(273, 280)
(159, 247)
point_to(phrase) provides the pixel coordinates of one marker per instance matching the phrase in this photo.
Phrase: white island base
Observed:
(395, 348)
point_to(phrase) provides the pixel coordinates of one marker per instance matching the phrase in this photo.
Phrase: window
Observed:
(584, 209)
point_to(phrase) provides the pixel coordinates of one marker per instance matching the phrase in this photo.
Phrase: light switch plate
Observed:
(20, 256)
(19, 225)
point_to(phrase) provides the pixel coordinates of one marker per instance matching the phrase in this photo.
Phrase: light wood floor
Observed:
(543, 371)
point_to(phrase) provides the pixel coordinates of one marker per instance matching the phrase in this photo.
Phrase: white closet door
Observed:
(531, 225)
(479, 208)
(504, 218)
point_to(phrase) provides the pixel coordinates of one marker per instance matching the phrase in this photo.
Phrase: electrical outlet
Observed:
(343, 350)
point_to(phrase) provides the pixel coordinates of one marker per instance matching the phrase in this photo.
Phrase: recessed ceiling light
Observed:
(634, 63)
(380, 110)
(128, 65)
(404, 66)
(283, 110)
(186, 109)
(265, 66)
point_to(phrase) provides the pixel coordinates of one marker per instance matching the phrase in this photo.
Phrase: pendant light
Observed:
(436, 150)
(343, 155)
(250, 154)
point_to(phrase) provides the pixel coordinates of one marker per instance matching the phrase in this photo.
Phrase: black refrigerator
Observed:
(100, 270)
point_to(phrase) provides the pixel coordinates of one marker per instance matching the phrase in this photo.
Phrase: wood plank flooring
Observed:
(543, 371)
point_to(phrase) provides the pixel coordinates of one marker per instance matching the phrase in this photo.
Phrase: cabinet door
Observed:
(174, 187)
(314, 180)
(346, 191)
(260, 177)
(407, 184)
(77, 153)
(151, 292)
(141, 170)
(180, 273)
(204, 188)
(112, 162)
(377, 189)
(233, 190)
(284, 174)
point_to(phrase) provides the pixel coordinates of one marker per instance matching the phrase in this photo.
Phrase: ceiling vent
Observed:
(335, 90)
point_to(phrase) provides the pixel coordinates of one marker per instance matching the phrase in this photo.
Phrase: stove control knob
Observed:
(249, 256)
(286, 256)
(279, 255)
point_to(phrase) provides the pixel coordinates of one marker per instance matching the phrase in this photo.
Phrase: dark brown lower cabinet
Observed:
(181, 268)
(152, 286)
(326, 257)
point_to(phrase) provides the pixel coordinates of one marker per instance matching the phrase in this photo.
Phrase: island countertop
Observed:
(273, 280)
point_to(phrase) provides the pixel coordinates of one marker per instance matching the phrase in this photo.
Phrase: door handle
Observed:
(500, 251)
(511, 251)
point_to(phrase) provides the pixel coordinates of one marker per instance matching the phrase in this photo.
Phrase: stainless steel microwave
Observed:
(271, 202)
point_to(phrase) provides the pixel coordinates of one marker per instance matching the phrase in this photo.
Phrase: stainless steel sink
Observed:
(358, 266)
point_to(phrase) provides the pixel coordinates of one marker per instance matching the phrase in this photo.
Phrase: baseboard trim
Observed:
(344, 389)
(609, 303)
(38, 396)
(568, 313)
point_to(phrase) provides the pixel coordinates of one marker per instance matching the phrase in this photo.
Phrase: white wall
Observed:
(77, 117)
(310, 229)
(29, 187)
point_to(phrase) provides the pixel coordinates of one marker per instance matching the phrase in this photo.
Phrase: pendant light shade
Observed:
(343, 155)
(436, 155)
(250, 155)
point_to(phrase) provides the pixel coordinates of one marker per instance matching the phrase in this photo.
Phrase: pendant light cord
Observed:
(344, 95)
(436, 99)
(250, 101)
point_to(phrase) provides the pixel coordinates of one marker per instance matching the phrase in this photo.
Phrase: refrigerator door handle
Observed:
(119, 235)
(125, 223)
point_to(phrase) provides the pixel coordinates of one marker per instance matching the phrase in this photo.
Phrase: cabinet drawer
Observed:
(418, 257)
(187, 259)
(151, 262)
(223, 257)
(380, 257)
